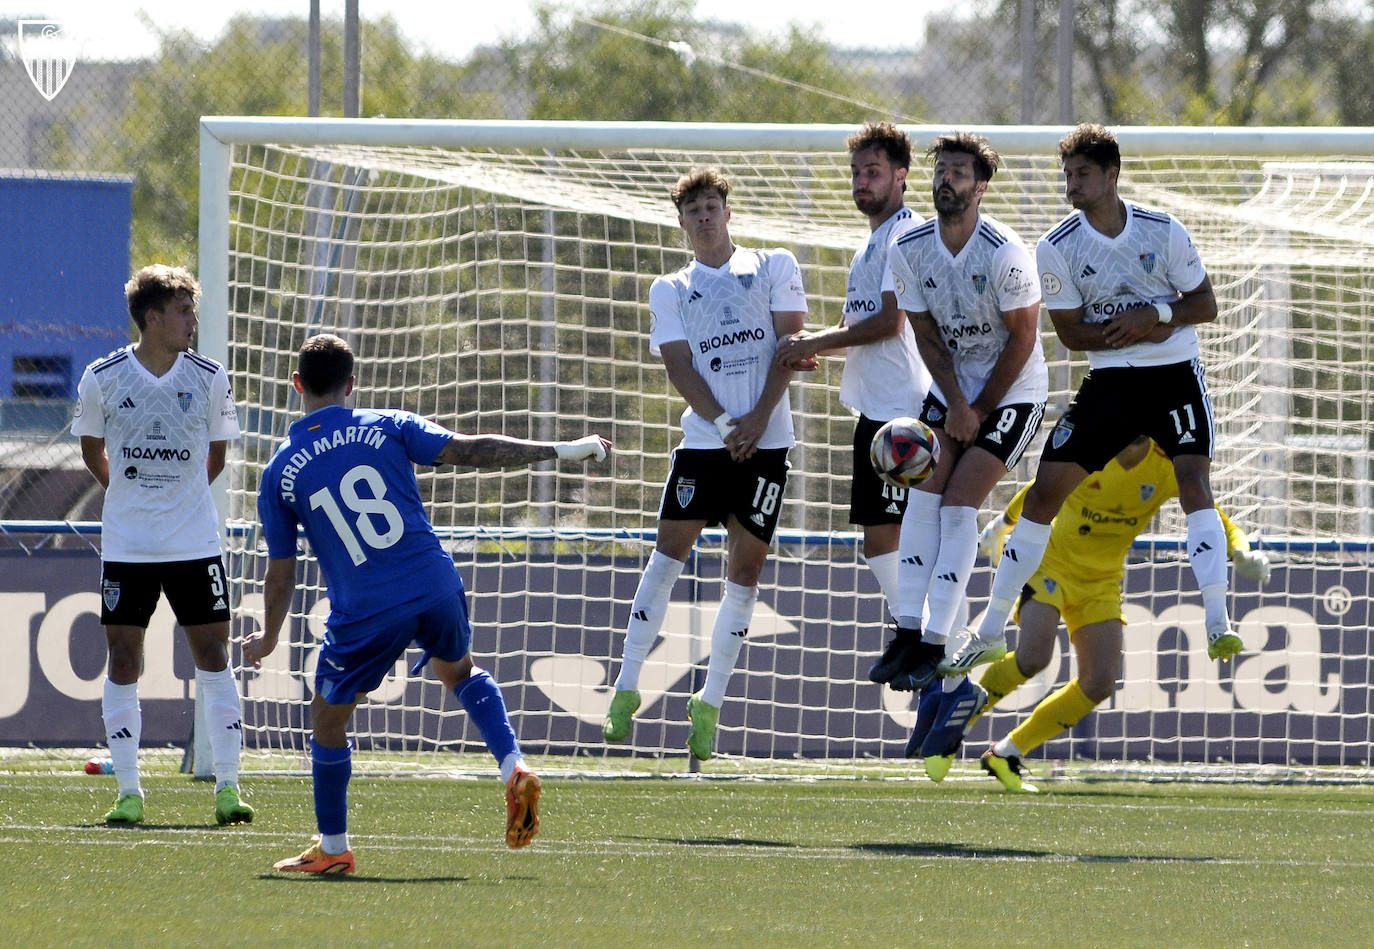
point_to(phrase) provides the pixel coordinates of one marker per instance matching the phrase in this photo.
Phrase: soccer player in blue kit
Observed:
(346, 477)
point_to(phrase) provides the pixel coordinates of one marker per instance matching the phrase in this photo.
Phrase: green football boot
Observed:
(127, 810)
(702, 738)
(229, 809)
(1009, 771)
(619, 716)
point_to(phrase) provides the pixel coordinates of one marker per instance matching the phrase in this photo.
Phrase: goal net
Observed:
(495, 277)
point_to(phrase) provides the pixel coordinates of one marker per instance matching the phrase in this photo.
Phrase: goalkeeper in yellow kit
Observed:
(1080, 579)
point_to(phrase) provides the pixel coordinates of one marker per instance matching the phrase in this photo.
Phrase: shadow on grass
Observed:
(147, 825)
(950, 850)
(964, 852)
(955, 851)
(715, 841)
(362, 878)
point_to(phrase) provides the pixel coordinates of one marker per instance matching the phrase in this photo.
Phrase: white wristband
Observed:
(723, 425)
(588, 446)
(1166, 312)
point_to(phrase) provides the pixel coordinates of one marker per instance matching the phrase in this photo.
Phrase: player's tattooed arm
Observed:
(502, 451)
(493, 451)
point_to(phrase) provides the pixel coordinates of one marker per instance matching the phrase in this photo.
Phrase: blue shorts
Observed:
(358, 663)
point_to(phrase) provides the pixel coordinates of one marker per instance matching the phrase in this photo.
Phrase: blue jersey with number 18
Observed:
(347, 477)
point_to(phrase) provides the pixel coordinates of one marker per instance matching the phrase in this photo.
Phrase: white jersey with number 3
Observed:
(966, 295)
(884, 379)
(726, 315)
(157, 431)
(1152, 260)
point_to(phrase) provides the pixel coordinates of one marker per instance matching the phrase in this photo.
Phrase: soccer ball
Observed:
(904, 452)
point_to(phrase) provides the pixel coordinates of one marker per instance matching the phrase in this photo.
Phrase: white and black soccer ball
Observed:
(904, 452)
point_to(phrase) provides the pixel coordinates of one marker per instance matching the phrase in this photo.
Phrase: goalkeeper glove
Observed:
(994, 538)
(588, 446)
(1252, 564)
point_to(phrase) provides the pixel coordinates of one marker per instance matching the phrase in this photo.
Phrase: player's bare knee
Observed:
(1196, 495)
(1097, 689)
(125, 669)
(1043, 501)
(1030, 661)
(453, 674)
(209, 646)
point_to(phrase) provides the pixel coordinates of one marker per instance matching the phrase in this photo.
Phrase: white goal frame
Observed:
(219, 135)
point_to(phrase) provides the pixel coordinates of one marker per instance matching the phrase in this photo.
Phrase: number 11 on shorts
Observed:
(1179, 427)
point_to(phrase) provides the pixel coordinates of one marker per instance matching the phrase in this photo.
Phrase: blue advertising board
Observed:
(1300, 694)
(63, 264)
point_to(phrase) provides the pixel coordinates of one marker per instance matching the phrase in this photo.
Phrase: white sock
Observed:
(727, 638)
(123, 726)
(1207, 554)
(1006, 748)
(884, 567)
(958, 551)
(646, 616)
(1020, 558)
(950, 683)
(917, 548)
(224, 717)
(334, 843)
(508, 766)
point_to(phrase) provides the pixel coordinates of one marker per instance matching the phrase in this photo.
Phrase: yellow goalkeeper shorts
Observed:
(1079, 603)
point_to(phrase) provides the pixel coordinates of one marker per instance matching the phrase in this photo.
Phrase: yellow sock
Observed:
(1001, 678)
(998, 681)
(1058, 711)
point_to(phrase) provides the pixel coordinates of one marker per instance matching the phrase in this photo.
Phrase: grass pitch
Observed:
(696, 862)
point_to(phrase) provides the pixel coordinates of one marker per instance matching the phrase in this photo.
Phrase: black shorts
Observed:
(1006, 433)
(871, 499)
(196, 589)
(1116, 405)
(707, 485)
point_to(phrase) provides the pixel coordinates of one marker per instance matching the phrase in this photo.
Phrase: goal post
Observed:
(495, 276)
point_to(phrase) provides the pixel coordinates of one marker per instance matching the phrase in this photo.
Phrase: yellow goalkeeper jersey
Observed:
(1094, 529)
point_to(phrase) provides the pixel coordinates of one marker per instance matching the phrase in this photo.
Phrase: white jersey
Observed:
(884, 379)
(726, 315)
(967, 295)
(1151, 261)
(157, 432)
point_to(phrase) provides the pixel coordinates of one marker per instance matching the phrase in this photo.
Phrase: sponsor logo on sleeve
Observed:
(1051, 283)
(1018, 282)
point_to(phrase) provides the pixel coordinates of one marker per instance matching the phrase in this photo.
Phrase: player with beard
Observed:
(1124, 284)
(969, 287)
(884, 377)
